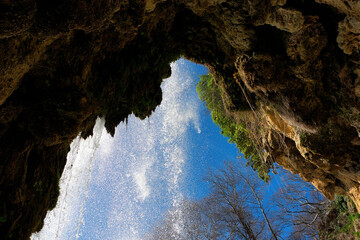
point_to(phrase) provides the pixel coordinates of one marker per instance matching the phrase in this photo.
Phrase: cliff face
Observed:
(63, 63)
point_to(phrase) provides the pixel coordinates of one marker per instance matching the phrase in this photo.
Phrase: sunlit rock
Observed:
(64, 63)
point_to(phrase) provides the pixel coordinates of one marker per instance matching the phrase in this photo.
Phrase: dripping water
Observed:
(118, 188)
(74, 184)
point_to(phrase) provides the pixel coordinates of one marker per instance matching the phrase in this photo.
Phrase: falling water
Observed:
(74, 184)
(117, 188)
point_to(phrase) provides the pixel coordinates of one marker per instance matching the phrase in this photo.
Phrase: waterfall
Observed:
(121, 190)
(74, 186)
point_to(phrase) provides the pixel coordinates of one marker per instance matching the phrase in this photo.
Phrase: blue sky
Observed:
(118, 188)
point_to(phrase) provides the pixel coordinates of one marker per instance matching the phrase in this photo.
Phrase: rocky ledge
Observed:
(63, 63)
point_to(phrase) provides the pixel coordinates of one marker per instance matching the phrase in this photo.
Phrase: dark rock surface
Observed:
(63, 63)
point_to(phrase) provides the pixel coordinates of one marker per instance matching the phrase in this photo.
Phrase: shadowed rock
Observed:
(63, 63)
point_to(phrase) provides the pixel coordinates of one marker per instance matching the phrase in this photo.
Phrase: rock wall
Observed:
(63, 63)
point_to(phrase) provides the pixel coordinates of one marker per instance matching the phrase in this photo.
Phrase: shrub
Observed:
(237, 132)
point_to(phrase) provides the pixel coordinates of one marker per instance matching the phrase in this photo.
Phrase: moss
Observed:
(237, 132)
(3, 218)
(38, 187)
(340, 220)
(54, 194)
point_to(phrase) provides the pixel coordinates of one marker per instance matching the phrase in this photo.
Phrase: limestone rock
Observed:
(63, 63)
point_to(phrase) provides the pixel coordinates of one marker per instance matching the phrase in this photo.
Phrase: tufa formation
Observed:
(63, 63)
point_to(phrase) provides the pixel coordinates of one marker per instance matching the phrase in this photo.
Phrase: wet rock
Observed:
(63, 63)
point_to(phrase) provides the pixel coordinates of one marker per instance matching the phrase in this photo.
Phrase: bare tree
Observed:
(299, 206)
(236, 209)
(190, 220)
(240, 192)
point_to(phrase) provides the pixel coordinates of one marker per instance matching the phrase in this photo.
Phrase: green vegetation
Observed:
(3, 218)
(130, 79)
(54, 195)
(342, 220)
(237, 132)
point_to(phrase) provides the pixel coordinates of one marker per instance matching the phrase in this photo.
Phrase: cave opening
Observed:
(120, 186)
(66, 63)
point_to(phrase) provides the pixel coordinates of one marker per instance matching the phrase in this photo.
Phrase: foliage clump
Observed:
(342, 220)
(237, 132)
